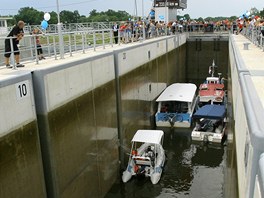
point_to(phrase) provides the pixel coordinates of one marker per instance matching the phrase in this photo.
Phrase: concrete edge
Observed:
(254, 109)
(240, 64)
(261, 174)
(15, 78)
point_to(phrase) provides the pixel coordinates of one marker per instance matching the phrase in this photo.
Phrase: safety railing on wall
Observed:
(249, 128)
(255, 35)
(76, 41)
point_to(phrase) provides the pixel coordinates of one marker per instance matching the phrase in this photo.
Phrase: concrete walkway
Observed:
(254, 62)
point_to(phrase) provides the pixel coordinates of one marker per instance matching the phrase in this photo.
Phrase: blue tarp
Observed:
(211, 111)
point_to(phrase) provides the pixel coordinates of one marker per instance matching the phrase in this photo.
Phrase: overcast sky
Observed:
(196, 8)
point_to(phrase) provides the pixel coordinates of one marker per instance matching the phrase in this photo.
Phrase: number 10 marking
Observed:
(22, 90)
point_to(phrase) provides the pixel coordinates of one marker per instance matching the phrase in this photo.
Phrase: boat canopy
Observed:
(211, 111)
(148, 136)
(182, 92)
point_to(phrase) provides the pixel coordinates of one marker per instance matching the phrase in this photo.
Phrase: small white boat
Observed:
(210, 124)
(176, 105)
(147, 156)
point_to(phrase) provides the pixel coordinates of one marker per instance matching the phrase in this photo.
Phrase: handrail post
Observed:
(83, 45)
(111, 38)
(70, 48)
(75, 45)
(30, 44)
(36, 50)
(103, 38)
(48, 42)
(94, 40)
(119, 40)
(12, 53)
(54, 47)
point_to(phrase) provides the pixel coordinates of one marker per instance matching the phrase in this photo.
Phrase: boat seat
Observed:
(140, 160)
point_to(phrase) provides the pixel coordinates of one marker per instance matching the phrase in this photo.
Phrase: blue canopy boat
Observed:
(210, 123)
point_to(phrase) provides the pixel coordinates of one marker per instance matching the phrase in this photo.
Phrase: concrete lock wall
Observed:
(21, 171)
(77, 121)
(248, 113)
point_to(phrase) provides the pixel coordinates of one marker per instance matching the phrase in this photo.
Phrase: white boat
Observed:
(147, 156)
(210, 124)
(176, 105)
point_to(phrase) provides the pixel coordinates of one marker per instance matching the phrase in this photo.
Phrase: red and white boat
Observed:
(212, 91)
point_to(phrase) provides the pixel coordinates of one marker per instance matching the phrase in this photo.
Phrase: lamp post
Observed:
(59, 25)
(143, 23)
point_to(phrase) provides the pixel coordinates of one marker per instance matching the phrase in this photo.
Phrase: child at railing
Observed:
(36, 32)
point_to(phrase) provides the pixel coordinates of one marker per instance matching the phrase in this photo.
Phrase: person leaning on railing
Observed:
(17, 32)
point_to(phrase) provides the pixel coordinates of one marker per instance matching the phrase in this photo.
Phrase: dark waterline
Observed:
(191, 170)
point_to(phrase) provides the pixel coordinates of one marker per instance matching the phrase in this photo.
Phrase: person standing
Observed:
(115, 28)
(17, 32)
(36, 32)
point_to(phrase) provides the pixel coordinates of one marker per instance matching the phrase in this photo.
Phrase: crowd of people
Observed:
(133, 30)
(248, 25)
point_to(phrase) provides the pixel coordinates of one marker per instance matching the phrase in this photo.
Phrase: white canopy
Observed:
(182, 92)
(148, 136)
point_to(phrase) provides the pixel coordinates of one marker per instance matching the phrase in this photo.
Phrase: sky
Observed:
(196, 8)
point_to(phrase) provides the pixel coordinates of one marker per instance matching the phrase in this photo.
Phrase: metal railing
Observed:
(75, 41)
(255, 35)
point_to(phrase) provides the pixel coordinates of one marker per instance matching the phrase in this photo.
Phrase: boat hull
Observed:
(206, 137)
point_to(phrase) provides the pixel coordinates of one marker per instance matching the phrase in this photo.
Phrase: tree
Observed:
(69, 16)
(187, 16)
(29, 15)
(261, 13)
(254, 11)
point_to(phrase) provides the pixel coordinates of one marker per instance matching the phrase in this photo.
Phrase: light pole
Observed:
(143, 23)
(59, 25)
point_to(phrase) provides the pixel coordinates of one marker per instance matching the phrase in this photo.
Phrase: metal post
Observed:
(54, 47)
(103, 38)
(61, 42)
(70, 48)
(119, 37)
(48, 42)
(12, 54)
(111, 38)
(36, 50)
(75, 45)
(30, 44)
(83, 45)
(143, 31)
(94, 40)
(85, 41)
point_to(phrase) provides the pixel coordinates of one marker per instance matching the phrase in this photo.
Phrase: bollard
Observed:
(111, 38)
(246, 46)
(83, 45)
(75, 45)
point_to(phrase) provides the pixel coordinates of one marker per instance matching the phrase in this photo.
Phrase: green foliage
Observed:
(109, 15)
(29, 15)
(261, 13)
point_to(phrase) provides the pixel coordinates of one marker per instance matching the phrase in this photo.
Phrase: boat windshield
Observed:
(174, 107)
